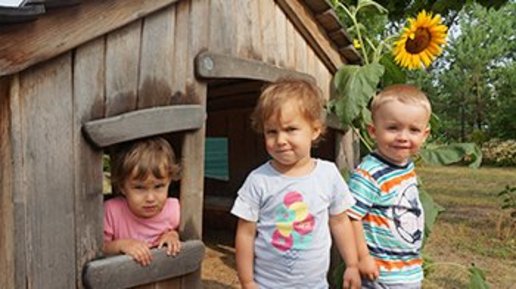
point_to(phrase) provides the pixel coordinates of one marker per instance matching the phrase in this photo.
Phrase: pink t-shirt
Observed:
(121, 223)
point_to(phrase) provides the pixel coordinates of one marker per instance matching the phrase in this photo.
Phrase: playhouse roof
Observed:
(30, 34)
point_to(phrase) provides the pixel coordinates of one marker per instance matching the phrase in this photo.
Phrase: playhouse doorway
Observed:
(234, 149)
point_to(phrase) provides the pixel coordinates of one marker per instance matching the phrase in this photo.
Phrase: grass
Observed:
(473, 229)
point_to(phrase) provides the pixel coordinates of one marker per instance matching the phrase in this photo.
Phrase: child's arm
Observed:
(171, 239)
(244, 244)
(138, 250)
(366, 263)
(344, 238)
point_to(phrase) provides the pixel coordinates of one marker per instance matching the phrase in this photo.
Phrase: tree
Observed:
(474, 79)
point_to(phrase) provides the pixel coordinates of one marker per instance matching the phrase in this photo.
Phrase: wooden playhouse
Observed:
(76, 79)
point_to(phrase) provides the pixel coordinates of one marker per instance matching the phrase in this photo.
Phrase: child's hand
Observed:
(138, 250)
(351, 279)
(171, 240)
(368, 268)
(249, 285)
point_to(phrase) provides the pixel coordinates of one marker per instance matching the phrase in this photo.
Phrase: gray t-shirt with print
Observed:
(292, 245)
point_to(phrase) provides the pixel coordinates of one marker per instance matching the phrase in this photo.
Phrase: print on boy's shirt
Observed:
(294, 224)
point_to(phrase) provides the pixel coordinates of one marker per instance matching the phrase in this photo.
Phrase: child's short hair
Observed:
(309, 96)
(141, 158)
(405, 93)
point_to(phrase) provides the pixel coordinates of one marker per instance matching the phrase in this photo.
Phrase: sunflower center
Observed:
(419, 42)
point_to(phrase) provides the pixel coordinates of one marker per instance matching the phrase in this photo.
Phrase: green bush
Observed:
(499, 153)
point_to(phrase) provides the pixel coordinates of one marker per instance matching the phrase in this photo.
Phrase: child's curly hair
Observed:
(141, 158)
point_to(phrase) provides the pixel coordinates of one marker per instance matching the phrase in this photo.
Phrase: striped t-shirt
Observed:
(392, 215)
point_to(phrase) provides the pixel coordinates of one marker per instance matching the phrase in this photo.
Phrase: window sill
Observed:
(122, 271)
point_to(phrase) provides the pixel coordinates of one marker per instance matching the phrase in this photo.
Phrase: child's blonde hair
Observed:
(141, 158)
(404, 93)
(275, 95)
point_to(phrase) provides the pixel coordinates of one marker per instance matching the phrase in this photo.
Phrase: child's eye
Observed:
(139, 187)
(415, 130)
(159, 186)
(270, 132)
(291, 129)
(392, 127)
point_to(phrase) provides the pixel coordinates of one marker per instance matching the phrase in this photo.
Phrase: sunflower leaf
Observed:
(453, 153)
(393, 73)
(355, 86)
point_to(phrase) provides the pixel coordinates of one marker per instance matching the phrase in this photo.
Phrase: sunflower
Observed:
(421, 42)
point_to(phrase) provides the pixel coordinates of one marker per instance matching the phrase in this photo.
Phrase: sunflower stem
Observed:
(353, 17)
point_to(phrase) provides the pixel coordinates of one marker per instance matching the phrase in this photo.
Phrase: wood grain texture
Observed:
(157, 59)
(211, 65)
(7, 229)
(88, 79)
(192, 182)
(59, 30)
(317, 38)
(19, 182)
(46, 101)
(143, 123)
(122, 61)
(122, 271)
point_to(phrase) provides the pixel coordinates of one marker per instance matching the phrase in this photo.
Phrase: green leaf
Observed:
(393, 73)
(431, 209)
(338, 273)
(355, 86)
(452, 154)
(477, 278)
(367, 3)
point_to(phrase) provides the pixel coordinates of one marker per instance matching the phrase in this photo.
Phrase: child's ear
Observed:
(317, 128)
(371, 129)
(426, 133)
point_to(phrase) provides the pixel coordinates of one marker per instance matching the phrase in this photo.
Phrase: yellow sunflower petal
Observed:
(421, 41)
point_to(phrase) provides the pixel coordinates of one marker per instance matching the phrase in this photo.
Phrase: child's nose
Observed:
(150, 196)
(403, 135)
(282, 138)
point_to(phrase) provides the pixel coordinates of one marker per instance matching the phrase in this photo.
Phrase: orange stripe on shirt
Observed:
(377, 220)
(396, 265)
(364, 173)
(387, 186)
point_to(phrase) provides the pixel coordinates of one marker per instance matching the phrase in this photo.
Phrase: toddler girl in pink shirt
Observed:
(142, 216)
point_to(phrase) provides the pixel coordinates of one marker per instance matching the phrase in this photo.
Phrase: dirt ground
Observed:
(218, 268)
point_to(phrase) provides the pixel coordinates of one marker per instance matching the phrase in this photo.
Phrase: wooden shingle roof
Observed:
(314, 18)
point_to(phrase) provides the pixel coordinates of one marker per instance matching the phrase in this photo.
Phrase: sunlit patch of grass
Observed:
(469, 230)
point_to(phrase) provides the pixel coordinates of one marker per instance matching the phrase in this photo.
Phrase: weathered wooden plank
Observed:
(25, 44)
(347, 150)
(181, 49)
(48, 167)
(307, 25)
(211, 65)
(291, 45)
(300, 52)
(192, 181)
(122, 271)
(351, 54)
(268, 31)
(256, 35)
(7, 229)
(329, 20)
(143, 123)
(223, 29)
(122, 59)
(281, 37)
(19, 189)
(157, 56)
(243, 24)
(89, 98)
